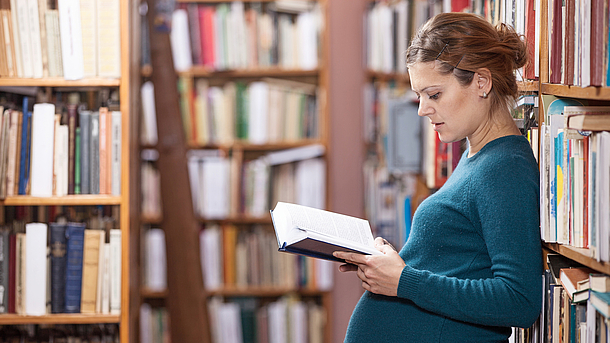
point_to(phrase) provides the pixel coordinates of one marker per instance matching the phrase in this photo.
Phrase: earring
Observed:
(484, 95)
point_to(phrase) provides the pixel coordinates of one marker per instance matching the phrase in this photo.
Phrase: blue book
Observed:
(24, 164)
(58, 267)
(75, 238)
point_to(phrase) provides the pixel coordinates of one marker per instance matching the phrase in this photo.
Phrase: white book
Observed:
(109, 38)
(258, 93)
(308, 38)
(115, 271)
(180, 41)
(71, 39)
(210, 242)
(402, 9)
(43, 125)
(229, 315)
(297, 322)
(53, 44)
(310, 183)
(35, 44)
(156, 264)
(585, 57)
(105, 294)
(603, 192)
(278, 326)
(216, 186)
(295, 154)
(100, 272)
(146, 332)
(115, 163)
(23, 26)
(36, 270)
(89, 27)
(149, 114)
(317, 233)
(16, 38)
(61, 160)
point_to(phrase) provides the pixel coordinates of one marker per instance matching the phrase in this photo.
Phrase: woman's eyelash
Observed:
(434, 96)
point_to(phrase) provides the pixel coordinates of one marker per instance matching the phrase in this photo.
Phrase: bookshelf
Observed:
(241, 151)
(122, 201)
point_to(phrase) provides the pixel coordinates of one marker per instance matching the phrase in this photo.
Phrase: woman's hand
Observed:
(380, 274)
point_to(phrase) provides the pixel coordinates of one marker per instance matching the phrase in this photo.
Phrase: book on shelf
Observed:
(599, 282)
(36, 268)
(4, 269)
(58, 266)
(601, 302)
(317, 233)
(572, 280)
(91, 259)
(75, 233)
(588, 118)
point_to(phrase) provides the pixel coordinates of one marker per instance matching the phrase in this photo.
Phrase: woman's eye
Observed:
(434, 96)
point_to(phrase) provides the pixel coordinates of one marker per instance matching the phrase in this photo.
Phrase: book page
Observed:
(331, 224)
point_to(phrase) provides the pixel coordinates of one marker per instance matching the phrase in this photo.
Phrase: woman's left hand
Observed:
(380, 274)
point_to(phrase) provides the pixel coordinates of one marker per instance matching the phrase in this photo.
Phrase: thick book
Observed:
(58, 267)
(317, 233)
(589, 118)
(71, 39)
(91, 258)
(42, 149)
(75, 234)
(36, 269)
(572, 280)
(4, 269)
(24, 168)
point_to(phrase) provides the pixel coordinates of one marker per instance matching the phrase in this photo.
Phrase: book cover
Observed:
(75, 236)
(20, 274)
(36, 268)
(12, 272)
(89, 27)
(4, 269)
(91, 258)
(71, 39)
(94, 155)
(571, 277)
(43, 130)
(58, 266)
(13, 116)
(102, 148)
(115, 271)
(116, 156)
(24, 170)
(109, 38)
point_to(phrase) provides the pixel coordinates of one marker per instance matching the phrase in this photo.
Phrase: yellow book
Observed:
(91, 255)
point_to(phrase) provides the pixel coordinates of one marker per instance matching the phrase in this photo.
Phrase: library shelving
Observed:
(240, 149)
(122, 200)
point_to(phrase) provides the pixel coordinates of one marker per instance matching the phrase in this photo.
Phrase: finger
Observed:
(361, 274)
(379, 241)
(348, 267)
(366, 286)
(349, 257)
(386, 249)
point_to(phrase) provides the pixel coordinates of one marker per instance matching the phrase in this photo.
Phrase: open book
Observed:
(317, 233)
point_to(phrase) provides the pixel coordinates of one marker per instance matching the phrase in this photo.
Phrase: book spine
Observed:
(71, 39)
(36, 268)
(77, 162)
(85, 133)
(75, 235)
(25, 152)
(116, 153)
(4, 270)
(115, 271)
(94, 155)
(103, 159)
(58, 267)
(91, 254)
(72, 113)
(43, 129)
(11, 272)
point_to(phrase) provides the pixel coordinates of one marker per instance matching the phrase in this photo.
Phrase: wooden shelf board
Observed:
(592, 93)
(403, 77)
(199, 71)
(75, 200)
(58, 82)
(61, 318)
(262, 292)
(528, 86)
(580, 255)
(151, 219)
(149, 294)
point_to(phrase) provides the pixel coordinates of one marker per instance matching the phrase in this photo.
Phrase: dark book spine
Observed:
(24, 160)
(72, 111)
(77, 162)
(85, 134)
(4, 253)
(58, 267)
(75, 236)
(11, 272)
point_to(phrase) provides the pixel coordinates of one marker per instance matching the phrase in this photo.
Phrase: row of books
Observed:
(576, 304)
(154, 324)
(237, 258)
(77, 271)
(60, 333)
(235, 36)
(575, 182)
(43, 153)
(233, 257)
(72, 39)
(578, 42)
(259, 112)
(289, 319)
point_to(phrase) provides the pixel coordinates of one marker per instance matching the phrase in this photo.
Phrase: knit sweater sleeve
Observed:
(504, 202)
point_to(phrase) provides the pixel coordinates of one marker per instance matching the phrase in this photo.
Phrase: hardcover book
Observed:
(317, 233)
(58, 267)
(75, 234)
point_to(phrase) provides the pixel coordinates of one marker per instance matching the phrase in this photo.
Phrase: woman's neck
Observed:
(499, 125)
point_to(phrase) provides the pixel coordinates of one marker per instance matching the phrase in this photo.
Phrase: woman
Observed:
(472, 266)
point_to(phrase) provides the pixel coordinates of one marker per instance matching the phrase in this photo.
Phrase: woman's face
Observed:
(455, 111)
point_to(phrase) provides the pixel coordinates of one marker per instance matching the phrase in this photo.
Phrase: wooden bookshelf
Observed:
(381, 76)
(200, 71)
(58, 82)
(592, 93)
(580, 255)
(150, 294)
(68, 200)
(244, 220)
(528, 86)
(246, 146)
(63, 318)
(262, 292)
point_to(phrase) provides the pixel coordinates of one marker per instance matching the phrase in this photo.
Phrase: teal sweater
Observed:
(473, 258)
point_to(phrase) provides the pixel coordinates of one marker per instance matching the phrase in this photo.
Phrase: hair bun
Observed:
(514, 42)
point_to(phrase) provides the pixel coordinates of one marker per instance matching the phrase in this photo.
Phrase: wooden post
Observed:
(186, 298)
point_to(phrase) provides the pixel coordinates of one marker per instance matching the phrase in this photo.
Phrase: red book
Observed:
(597, 42)
(568, 69)
(12, 246)
(530, 36)
(459, 5)
(556, 38)
(207, 34)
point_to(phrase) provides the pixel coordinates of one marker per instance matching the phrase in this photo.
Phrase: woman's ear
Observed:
(483, 81)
